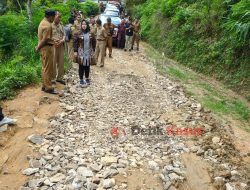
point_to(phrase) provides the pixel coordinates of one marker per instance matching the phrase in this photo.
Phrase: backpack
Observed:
(68, 32)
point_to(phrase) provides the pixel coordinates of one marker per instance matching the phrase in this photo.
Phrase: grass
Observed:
(214, 97)
(19, 72)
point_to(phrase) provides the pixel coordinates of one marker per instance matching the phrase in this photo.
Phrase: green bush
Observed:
(16, 73)
(211, 37)
(13, 28)
(89, 8)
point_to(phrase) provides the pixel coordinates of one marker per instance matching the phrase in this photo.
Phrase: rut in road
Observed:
(79, 153)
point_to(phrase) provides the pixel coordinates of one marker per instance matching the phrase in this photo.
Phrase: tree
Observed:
(29, 4)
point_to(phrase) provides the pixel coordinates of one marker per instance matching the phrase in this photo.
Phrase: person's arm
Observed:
(92, 43)
(64, 36)
(104, 33)
(46, 33)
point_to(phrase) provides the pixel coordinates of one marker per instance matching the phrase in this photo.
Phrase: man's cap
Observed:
(50, 12)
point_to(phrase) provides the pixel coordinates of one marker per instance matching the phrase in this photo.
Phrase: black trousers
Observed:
(84, 70)
(1, 114)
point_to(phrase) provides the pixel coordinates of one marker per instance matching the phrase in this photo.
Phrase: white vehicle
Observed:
(115, 19)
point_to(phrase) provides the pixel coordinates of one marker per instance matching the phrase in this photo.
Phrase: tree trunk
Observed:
(29, 3)
(20, 6)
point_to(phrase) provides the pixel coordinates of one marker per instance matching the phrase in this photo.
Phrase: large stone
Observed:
(36, 183)
(219, 182)
(109, 173)
(85, 172)
(34, 163)
(3, 128)
(36, 139)
(91, 186)
(108, 183)
(216, 140)
(229, 187)
(174, 176)
(57, 178)
(30, 171)
(95, 167)
(108, 160)
(153, 165)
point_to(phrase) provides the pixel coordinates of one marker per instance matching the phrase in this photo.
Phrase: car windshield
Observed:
(111, 13)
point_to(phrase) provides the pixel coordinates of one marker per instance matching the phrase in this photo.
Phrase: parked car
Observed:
(115, 19)
(108, 10)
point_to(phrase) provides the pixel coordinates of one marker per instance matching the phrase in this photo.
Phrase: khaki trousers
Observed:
(136, 38)
(128, 44)
(58, 63)
(109, 44)
(100, 49)
(47, 67)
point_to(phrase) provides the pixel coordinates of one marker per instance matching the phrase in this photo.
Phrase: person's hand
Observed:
(75, 54)
(36, 49)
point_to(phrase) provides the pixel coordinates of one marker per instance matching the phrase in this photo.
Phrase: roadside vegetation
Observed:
(19, 64)
(211, 37)
(213, 95)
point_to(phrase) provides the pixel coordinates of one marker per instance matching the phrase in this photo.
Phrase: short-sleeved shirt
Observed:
(45, 31)
(129, 32)
(109, 28)
(101, 34)
(58, 32)
(137, 27)
(93, 29)
(77, 25)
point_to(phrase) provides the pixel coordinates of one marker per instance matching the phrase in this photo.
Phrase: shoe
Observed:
(87, 81)
(52, 91)
(110, 56)
(137, 49)
(43, 89)
(125, 49)
(53, 82)
(101, 65)
(61, 81)
(83, 84)
(8, 121)
(130, 50)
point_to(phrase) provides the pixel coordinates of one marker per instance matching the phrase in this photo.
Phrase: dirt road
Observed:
(78, 151)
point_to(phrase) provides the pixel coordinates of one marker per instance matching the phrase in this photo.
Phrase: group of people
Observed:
(129, 34)
(85, 41)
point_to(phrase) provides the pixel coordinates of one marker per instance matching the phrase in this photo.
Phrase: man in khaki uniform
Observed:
(58, 35)
(77, 23)
(69, 39)
(45, 48)
(109, 27)
(136, 35)
(93, 30)
(101, 36)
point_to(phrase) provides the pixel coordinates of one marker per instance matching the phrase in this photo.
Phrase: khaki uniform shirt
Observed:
(77, 25)
(45, 31)
(58, 32)
(93, 29)
(137, 27)
(109, 27)
(101, 34)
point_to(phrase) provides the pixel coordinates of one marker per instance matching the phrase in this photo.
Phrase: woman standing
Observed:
(83, 51)
(121, 34)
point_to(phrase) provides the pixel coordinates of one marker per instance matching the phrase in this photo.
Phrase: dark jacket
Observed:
(77, 41)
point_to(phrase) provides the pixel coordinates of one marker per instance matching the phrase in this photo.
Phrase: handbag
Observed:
(92, 59)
